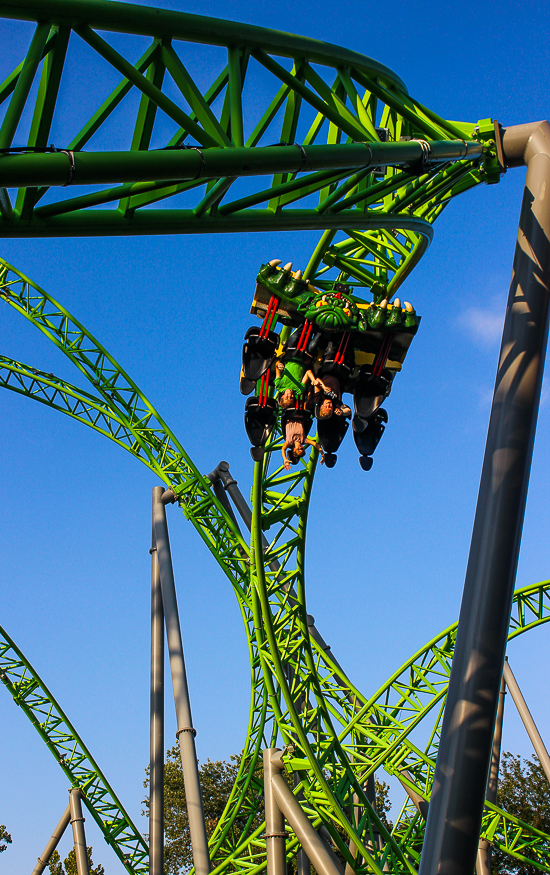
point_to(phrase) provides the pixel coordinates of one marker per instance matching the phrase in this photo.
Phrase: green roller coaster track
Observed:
(353, 150)
(337, 145)
(335, 737)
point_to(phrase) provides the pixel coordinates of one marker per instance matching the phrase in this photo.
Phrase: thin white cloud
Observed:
(484, 325)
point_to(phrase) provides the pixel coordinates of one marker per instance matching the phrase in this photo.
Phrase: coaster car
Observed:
(259, 420)
(331, 432)
(370, 392)
(258, 354)
(367, 434)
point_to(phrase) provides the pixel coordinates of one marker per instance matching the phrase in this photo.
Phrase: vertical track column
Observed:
(275, 836)
(79, 836)
(483, 862)
(456, 806)
(156, 761)
(185, 733)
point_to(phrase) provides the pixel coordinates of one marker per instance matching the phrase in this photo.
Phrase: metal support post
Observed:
(355, 813)
(156, 731)
(371, 796)
(53, 842)
(79, 836)
(410, 788)
(528, 722)
(222, 483)
(303, 866)
(483, 863)
(275, 836)
(326, 838)
(460, 780)
(185, 733)
(319, 855)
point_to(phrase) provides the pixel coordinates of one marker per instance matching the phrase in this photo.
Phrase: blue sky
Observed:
(387, 550)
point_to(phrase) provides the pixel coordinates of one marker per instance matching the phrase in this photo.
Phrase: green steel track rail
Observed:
(121, 412)
(531, 608)
(334, 737)
(338, 143)
(35, 700)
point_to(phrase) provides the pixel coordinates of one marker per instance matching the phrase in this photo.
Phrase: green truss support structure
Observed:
(55, 729)
(334, 736)
(337, 145)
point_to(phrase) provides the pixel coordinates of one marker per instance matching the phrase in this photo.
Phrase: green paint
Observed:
(386, 198)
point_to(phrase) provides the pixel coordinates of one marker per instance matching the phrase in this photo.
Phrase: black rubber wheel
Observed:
(365, 462)
(257, 453)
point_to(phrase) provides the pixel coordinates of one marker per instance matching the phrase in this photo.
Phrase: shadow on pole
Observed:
(460, 780)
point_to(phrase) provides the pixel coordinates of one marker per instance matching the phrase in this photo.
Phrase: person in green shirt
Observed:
(291, 381)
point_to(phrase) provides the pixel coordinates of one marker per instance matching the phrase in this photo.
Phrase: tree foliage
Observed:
(217, 779)
(5, 838)
(68, 866)
(383, 804)
(523, 791)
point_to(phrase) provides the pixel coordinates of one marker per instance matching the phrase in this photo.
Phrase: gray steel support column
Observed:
(416, 798)
(79, 835)
(185, 733)
(528, 722)
(222, 483)
(156, 731)
(355, 810)
(275, 836)
(326, 838)
(492, 783)
(460, 780)
(53, 842)
(319, 855)
(483, 862)
(303, 865)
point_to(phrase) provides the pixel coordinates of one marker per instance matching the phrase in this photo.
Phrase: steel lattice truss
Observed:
(220, 127)
(334, 736)
(281, 132)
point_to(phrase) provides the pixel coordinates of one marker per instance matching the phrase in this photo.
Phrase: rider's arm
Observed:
(284, 448)
(309, 375)
(317, 447)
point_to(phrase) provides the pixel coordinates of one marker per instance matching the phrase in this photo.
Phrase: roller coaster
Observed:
(338, 145)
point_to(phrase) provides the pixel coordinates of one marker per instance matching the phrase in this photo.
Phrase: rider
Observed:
(293, 371)
(337, 363)
(291, 381)
(296, 424)
(327, 398)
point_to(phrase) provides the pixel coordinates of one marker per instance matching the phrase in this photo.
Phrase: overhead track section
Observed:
(221, 127)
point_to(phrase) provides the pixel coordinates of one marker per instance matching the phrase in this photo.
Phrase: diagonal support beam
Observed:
(57, 834)
(145, 86)
(528, 722)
